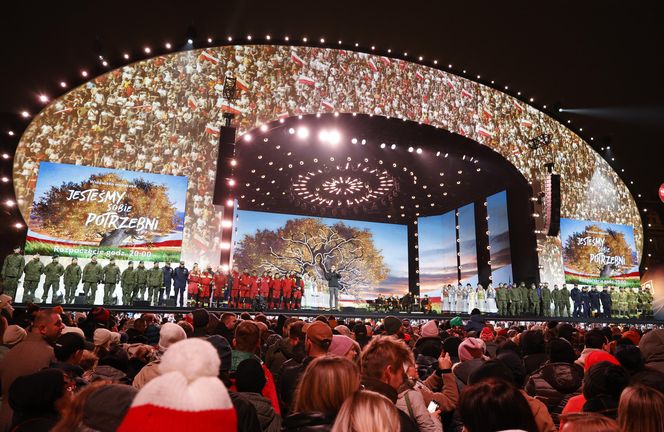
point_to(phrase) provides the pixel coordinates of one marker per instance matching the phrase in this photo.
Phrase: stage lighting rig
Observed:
(230, 94)
(540, 141)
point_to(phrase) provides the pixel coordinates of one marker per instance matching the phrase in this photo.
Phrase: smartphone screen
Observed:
(433, 406)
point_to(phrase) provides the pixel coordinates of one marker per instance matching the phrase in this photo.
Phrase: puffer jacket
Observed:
(269, 420)
(308, 422)
(652, 348)
(554, 384)
(425, 366)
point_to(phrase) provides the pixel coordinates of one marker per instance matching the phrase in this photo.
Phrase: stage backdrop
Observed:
(80, 211)
(371, 257)
(596, 253)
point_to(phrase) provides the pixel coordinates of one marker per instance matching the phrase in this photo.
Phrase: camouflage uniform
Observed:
(645, 300)
(111, 276)
(632, 303)
(514, 298)
(12, 270)
(501, 300)
(53, 272)
(72, 279)
(128, 284)
(564, 299)
(155, 282)
(534, 301)
(141, 281)
(92, 275)
(33, 271)
(546, 301)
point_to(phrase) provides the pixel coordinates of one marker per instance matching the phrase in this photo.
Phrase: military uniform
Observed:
(645, 302)
(12, 270)
(564, 298)
(128, 281)
(141, 281)
(605, 298)
(514, 298)
(501, 300)
(92, 275)
(619, 299)
(632, 303)
(546, 301)
(534, 301)
(53, 272)
(71, 279)
(33, 271)
(557, 295)
(111, 276)
(155, 280)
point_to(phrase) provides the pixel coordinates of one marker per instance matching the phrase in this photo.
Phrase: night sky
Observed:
(604, 55)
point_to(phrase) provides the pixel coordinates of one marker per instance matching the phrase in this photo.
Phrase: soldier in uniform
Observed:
(556, 295)
(92, 275)
(619, 299)
(575, 294)
(72, 278)
(141, 281)
(605, 298)
(111, 275)
(632, 302)
(533, 300)
(564, 297)
(53, 272)
(155, 281)
(546, 300)
(33, 271)
(12, 270)
(502, 297)
(128, 281)
(645, 297)
(514, 297)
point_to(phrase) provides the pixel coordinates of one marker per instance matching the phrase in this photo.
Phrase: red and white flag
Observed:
(307, 80)
(450, 84)
(241, 84)
(296, 58)
(206, 56)
(525, 122)
(373, 66)
(487, 113)
(192, 102)
(327, 104)
(385, 60)
(229, 107)
(419, 75)
(466, 93)
(484, 131)
(64, 110)
(212, 129)
(518, 105)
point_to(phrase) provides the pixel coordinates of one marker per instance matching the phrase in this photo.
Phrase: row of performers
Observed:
(244, 290)
(407, 303)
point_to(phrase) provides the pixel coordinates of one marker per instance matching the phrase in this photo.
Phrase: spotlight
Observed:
(323, 135)
(419, 151)
(560, 110)
(209, 40)
(191, 41)
(5, 156)
(229, 38)
(168, 45)
(18, 225)
(335, 137)
(147, 50)
(393, 146)
(322, 40)
(126, 56)
(229, 203)
(43, 98)
(410, 149)
(225, 245)
(302, 132)
(231, 182)
(291, 131)
(5, 180)
(233, 162)
(10, 133)
(63, 84)
(226, 223)
(25, 114)
(248, 37)
(364, 142)
(382, 145)
(263, 128)
(354, 140)
(104, 63)
(84, 73)
(247, 138)
(10, 203)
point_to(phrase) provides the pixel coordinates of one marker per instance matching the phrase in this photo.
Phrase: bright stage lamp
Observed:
(5, 156)
(5, 179)
(231, 182)
(225, 246)
(229, 203)
(323, 135)
(410, 149)
(302, 132)
(419, 151)
(334, 137)
(226, 223)
(291, 131)
(18, 225)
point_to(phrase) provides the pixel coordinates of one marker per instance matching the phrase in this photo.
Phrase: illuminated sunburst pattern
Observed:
(344, 186)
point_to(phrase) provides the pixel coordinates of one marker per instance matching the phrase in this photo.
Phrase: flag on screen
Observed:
(212, 129)
(327, 104)
(450, 84)
(518, 105)
(419, 75)
(466, 93)
(296, 58)
(206, 56)
(229, 107)
(385, 60)
(487, 113)
(484, 131)
(241, 84)
(303, 79)
(525, 122)
(372, 65)
(192, 102)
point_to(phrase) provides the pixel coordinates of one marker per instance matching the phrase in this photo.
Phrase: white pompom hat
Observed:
(186, 396)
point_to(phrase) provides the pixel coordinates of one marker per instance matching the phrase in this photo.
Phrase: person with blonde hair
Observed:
(641, 409)
(589, 422)
(326, 383)
(367, 411)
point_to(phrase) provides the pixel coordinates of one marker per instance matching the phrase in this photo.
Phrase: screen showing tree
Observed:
(372, 258)
(598, 253)
(80, 211)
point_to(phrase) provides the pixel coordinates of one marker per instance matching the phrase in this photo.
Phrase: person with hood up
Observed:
(652, 348)
(250, 381)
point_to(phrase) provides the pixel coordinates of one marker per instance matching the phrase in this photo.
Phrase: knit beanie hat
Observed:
(76, 330)
(430, 329)
(223, 350)
(456, 322)
(343, 330)
(201, 318)
(391, 325)
(599, 356)
(471, 348)
(102, 337)
(13, 335)
(341, 345)
(100, 314)
(249, 376)
(487, 334)
(186, 396)
(169, 334)
(106, 406)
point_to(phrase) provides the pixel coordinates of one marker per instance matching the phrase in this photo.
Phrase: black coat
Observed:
(308, 422)
(180, 276)
(333, 279)
(168, 276)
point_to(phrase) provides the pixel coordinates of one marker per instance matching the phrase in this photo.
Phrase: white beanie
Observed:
(430, 329)
(102, 337)
(169, 334)
(76, 330)
(186, 396)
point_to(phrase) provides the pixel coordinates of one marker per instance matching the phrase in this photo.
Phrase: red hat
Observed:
(100, 314)
(599, 356)
(635, 337)
(186, 396)
(487, 334)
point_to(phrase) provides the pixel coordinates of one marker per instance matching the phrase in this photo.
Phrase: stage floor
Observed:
(363, 314)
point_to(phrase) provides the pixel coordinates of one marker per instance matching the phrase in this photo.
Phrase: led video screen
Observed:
(372, 258)
(598, 253)
(467, 244)
(499, 238)
(437, 252)
(80, 211)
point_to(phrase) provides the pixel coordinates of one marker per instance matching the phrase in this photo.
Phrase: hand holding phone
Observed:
(433, 406)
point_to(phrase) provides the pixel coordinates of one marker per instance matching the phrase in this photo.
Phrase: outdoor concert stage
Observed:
(405, 176)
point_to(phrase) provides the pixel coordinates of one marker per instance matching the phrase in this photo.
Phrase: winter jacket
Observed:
(476, 323)
(180, 276)
(247, 418)
(333, 279)
(426, 365)
(543, 419)
(652, 348)
(411, 402)
(554, 384)
(309, 422)
(278, 354)
(269, 420)
(373, 384)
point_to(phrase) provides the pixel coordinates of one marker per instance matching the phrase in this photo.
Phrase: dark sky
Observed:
(576, 54)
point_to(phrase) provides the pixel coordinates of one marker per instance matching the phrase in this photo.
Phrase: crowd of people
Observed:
(102, 371)
(162, 116)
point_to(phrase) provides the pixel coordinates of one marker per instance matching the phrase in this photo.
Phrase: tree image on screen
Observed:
(598, 251)
(105, 209)
(309, 246)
